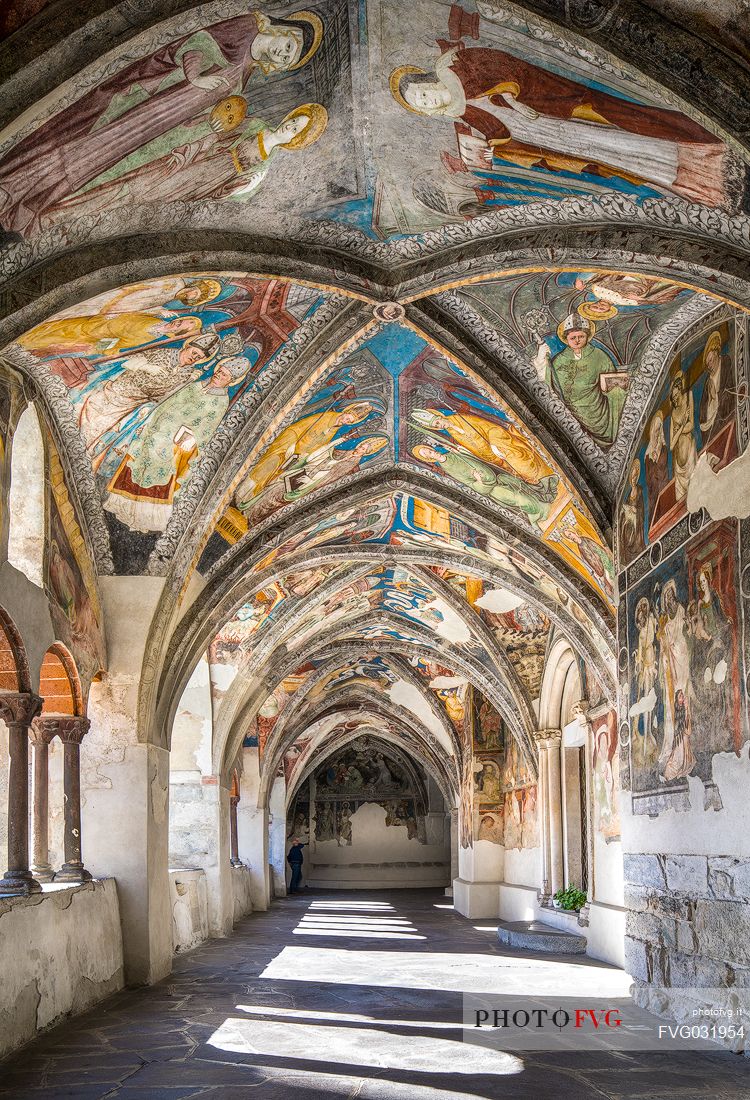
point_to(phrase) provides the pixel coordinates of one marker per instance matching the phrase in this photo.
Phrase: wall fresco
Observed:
(695, 415)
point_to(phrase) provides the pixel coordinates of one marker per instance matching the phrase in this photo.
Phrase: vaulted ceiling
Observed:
(346, 324)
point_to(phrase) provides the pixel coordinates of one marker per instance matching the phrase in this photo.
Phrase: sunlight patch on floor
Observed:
(456, 971)
(352, 1049)
(344, 1017)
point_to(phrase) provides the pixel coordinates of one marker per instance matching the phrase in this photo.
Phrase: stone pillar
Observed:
(41, 732)
(549, 741)
(545, 892)
(233, 837)
(554, 794)
(18, 710)
(252, 827)
(125, 784)
(71, 732)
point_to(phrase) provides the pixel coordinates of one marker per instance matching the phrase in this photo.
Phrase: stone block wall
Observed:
(687, 940)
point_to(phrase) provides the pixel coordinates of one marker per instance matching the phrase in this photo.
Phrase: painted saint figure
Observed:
(142, 491)
(632, 515)
(176, 84)
(676, 757)
(145, 377)
(585, 378)
(682, 435)
(717, 406)
(530, 116)
(215, 166)
(656, 463)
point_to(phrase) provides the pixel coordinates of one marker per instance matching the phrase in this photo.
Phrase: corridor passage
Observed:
(346, 995)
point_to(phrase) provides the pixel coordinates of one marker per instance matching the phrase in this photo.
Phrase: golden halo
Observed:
(592, 311)
(395, 81)
(318, 117)
(240, 105)
(209, 288)
(713, 343)
(589, 328)
(317, 25)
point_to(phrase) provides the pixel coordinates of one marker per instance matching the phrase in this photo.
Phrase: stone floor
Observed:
(344, 995)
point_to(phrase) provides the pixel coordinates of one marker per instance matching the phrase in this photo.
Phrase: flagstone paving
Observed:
(350, 995)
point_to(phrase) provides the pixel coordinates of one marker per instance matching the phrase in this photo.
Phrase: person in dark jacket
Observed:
(294, 860)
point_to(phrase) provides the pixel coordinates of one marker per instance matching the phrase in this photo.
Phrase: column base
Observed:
(43, 873)
(19, 883)
(476, 899)
(72, 872)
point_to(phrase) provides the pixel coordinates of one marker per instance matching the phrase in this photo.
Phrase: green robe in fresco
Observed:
(577, 382)
(504, 489)
(195, 407)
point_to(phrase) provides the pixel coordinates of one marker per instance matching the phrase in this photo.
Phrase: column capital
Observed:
(19, 708)
(581, 710)
(42, 729)
(547, 736)
(70, 728)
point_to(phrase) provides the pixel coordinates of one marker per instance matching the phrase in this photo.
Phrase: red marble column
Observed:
(41, 732)
(233, 838)
(18, 709)
(71, 732)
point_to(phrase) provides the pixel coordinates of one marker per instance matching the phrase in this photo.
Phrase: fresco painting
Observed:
(247, 626)
(583, 332)
(5, 412)
(606, 768)
(202, 116)
(686, 697)
(397, 399)
(153, 368)
(70, 582)
(341, 428)
(487, 114)
(694, 416)
(488, 729)
(367, 771)
(521, 817)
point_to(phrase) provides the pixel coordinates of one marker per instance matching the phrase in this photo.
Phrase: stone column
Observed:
(18, 709)
(71, 732)
(545, 892)
(41, 732)
(233, 838)
(554, 796)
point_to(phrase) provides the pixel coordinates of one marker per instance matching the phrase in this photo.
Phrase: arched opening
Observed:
(372, 818)
(59, 683)
(13, 677)
(26, 498)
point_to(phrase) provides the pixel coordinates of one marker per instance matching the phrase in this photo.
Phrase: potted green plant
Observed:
(571, 899)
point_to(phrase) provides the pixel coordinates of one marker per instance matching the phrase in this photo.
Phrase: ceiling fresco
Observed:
(344, 113)
(583, 332)
(396, 399)
(153, 368)
(377, 471)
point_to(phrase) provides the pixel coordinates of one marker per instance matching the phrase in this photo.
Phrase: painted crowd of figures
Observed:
(695, 416)
(685, 693)
(152, 369)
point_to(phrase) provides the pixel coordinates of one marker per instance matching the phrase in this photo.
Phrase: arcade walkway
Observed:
(345, 995)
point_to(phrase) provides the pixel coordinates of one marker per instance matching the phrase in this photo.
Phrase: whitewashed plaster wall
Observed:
(242, 892)
(60, 953)
(125, 785)
(380, 856)
(252, 831)
(189, 897)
